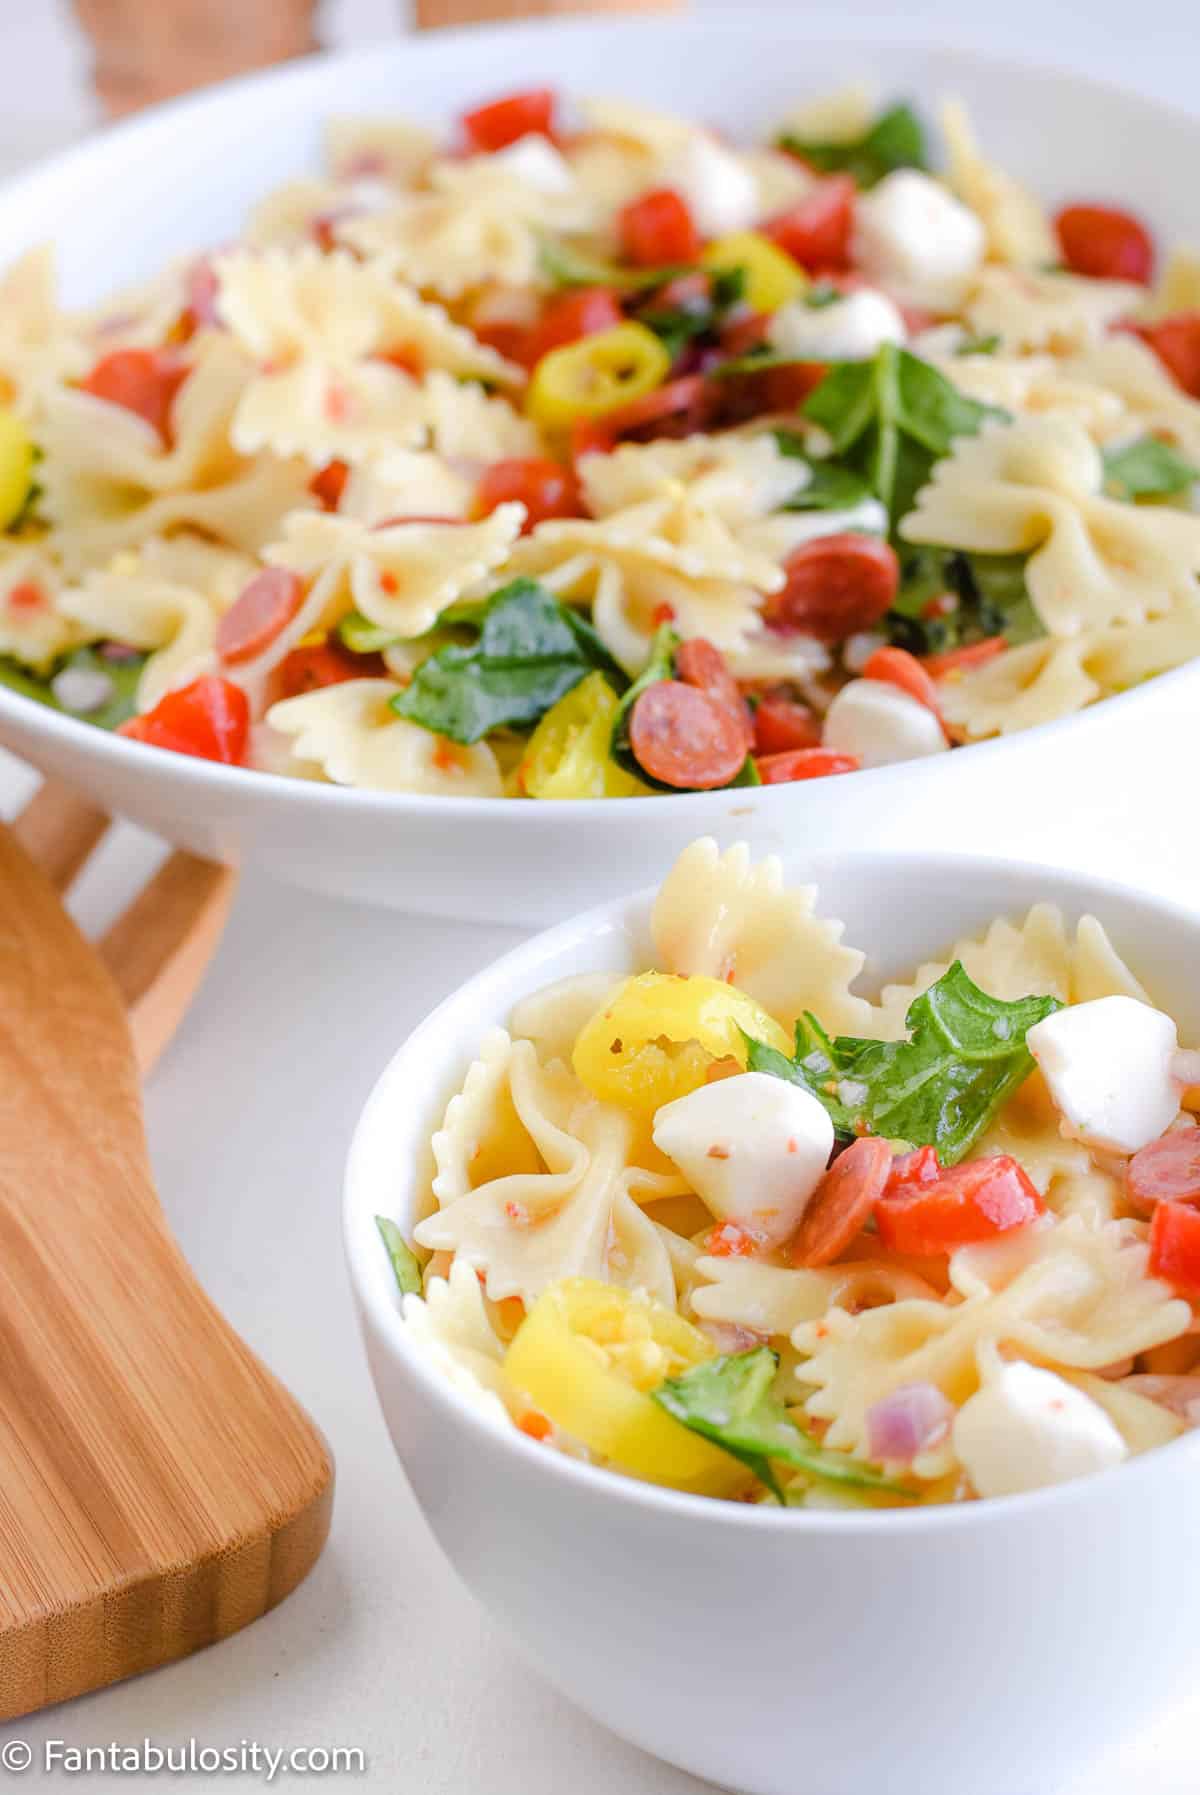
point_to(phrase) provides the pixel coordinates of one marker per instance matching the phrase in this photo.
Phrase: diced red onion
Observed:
(728, 1337)
(1180, 1394)
(909, 1421)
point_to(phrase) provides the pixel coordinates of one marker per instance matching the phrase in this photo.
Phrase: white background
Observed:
(249, 1117)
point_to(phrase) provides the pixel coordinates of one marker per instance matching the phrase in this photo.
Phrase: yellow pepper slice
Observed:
(588, 1354)
(16, 468)
(772, 278)
(658, 1035)
(595, 375)
(567, 755)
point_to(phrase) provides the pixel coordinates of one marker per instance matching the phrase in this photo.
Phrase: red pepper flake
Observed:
(517, 1214)
(793, 1145)
(717, 1151)
(27, 595)
(618, 1046)
(661, 614)
(337, 403)
(389, 582)
(445, 756)
(535, 1425)
(731, 1242)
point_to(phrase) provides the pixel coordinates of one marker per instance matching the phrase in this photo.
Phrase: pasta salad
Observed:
(726, 1225)
(583, 454)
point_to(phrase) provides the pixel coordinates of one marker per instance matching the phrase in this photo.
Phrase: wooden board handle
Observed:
(431, 14)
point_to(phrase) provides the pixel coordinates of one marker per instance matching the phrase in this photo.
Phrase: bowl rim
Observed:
(310, 797)
(375, 1293)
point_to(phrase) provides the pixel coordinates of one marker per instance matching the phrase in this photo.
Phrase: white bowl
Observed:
(990, 1649)
(183, 177)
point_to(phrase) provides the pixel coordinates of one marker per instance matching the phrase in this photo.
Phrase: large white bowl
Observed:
(986, 1649)
(184, 177)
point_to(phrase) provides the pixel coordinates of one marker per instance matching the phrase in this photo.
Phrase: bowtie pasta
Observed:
(580, 453)
(682, 1226)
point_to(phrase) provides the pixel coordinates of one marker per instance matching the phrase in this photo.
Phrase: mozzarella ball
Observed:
(1027, 1428)
(1110, 1066)
(917, 240)
(721, 192)
(850, 329)
(881, 724)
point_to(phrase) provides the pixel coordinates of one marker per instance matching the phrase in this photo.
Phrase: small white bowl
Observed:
(122, 204)
(990, 1648)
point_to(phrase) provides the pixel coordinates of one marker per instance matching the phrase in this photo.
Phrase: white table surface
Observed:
(249, 1116)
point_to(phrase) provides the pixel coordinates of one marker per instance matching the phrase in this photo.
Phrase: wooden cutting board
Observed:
(158, 1487)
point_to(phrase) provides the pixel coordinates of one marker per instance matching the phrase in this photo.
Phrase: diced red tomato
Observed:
(210, 719)
(1175, 1247)
(836, 586)
(503, 317)
(966, 1203)
(679, 408)
(658, 228)
(144, 381)
(817, 231)
(505, 121)
(1105, 243)
(783, 724)
(1176, 342)
(545, 488)
(319, 664)
(912, 1170)
(962, 660)
(264, 607)
(329, 483)
(804, 763)
(569, 317)
(896, 667)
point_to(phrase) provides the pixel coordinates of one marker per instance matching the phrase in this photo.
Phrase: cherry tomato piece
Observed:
(144, 381)
(962, 660)
(565, 320)
(254, 619)
(1175, 1247)
(1105, 243)
(817, 231)
(1176, 342)
(1166, 1171)
(210, 719)
(966, 1203)
(836, 586)
(685, 738)
(842, 1203)
(896, 667)
(658, 228)
(783, 724)
(545, 488)
(804, 763)
(505, 121)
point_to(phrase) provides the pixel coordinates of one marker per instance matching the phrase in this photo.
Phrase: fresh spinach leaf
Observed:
(890, 419)
(1147, 470)
(122, 673)
(731, 1401)
(404, 1261)
(531, 651)
(964, 1057)
(829, 488)
(895, 140)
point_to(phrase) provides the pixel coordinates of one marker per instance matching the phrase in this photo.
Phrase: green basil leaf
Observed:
(1147, 470)
(829, 486)
(404, 1261)
(731, 1402)
(530, 653)
(895, 140)
(964, 1057)
(123, 676)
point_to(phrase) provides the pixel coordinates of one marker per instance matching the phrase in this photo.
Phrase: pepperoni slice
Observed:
(804, 763)
(836, 586)
(699, 663)
(686, 738)
(842, 1203)
(144, 381)
(1167, 1171)
(783, 724)
(258, 614)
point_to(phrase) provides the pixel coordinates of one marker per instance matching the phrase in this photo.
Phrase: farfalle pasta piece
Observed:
(1128, 372)
(400, 575)
(448, 1326)
(1040, 384)
(444, 244)
(733, 478)
(356, 739)
(551, 200)
(560, 1202)
(1082, 1299)
(385, 148)
(1032, 958)
(1036, 486)
(467, 424)
(553, 1017)
(406, 483)
(39, 345)
(1017, 230)
(166, 597)
(1048, 679)
(773, 1300)
(1030, 310)
(33, 629)
(724, 916)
